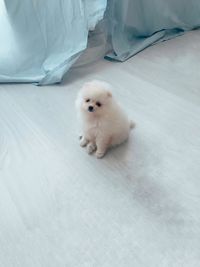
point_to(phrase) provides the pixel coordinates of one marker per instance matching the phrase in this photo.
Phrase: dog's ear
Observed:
(85, 85)
(109, 94)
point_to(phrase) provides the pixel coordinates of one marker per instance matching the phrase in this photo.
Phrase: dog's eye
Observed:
(98, 104)
(87, 100)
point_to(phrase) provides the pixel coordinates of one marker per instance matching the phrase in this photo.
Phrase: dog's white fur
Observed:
(106, 125)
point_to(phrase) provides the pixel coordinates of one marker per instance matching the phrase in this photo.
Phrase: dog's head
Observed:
(94, 98)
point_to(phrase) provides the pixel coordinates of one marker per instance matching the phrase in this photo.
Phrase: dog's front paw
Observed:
(99, 154)
(91, 148)
(83, 142)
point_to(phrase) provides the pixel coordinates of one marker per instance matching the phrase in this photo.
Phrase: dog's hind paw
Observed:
(99, 155)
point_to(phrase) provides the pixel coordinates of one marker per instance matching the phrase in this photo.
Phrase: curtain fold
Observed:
(137, 24)
(45, 37)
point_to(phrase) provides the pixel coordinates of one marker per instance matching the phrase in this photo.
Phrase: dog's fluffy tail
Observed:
(132, 125)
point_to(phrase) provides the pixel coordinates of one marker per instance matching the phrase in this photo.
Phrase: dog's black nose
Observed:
(90, 108)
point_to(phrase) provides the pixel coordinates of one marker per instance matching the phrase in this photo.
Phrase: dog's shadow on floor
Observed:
(141, 164)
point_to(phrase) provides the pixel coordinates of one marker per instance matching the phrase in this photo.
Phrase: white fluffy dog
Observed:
(104, 124)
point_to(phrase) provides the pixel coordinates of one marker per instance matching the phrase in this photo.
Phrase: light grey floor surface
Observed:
(137, 207)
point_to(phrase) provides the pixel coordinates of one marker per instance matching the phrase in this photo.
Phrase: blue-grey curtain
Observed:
(137, 24)
(40, 40)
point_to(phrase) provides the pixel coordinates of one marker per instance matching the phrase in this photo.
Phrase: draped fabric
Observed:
(40, 40)
(137, 24)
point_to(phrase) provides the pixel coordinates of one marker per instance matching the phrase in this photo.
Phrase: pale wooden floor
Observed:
(140, 205)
